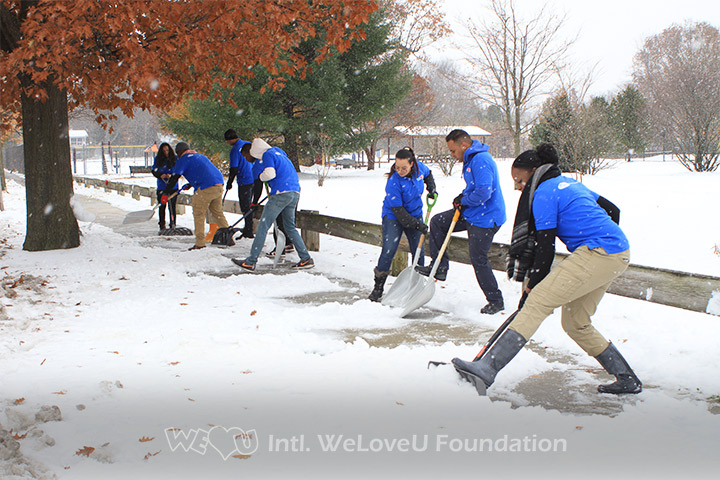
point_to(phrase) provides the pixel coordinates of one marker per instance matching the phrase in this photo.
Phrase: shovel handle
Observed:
(436, 263)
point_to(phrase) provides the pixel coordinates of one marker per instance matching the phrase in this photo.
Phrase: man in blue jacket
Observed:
(273, 166)
(483, 213)
(242, 170)
(208, 183)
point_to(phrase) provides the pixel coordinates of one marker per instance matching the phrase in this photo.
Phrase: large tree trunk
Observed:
(51, 223)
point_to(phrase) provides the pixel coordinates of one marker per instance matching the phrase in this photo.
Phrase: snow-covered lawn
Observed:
(171, 364)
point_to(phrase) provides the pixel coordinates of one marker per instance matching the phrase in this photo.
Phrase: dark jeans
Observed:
(172, 203)
(479, 242)
(245, 197)
(392, 231)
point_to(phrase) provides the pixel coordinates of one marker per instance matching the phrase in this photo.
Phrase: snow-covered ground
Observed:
(171, 364)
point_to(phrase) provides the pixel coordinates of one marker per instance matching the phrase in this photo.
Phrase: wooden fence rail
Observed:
(689, 291)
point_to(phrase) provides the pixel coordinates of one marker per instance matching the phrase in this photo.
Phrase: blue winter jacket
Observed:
(198, 170)
(244, 173)
(286, 178)
(405, 192)
(482, 197)
(161, 169)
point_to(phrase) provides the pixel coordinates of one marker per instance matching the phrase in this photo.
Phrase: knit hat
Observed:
(181, 147)
(231, 134)
(258, 148)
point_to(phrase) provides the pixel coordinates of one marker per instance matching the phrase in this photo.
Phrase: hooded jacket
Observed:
(482, 198)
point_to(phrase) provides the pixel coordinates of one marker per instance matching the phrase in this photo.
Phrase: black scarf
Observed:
(522, 247)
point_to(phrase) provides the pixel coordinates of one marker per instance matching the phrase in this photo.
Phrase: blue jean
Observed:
(479, 243)
(282, 206)
(391, 231)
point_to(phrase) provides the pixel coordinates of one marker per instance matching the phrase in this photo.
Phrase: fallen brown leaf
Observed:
(85, 451)
(19, 400)
(114, 289)
(242, 457)
(146, 439)
(253, 313)
(152, 454)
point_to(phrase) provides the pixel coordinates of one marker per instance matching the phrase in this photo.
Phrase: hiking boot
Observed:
(440, 274)
(377, 291)
(250, 267)
(196, 247)
(492, 308)
(614, 363)
(303, 264)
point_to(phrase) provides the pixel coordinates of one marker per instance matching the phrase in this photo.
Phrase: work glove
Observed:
(423, 228)
(457, 202)
(432, 194)
(164, 199)
(229, 185)
(510, 266)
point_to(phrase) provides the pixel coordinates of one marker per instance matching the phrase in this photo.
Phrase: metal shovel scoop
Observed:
(423, 291)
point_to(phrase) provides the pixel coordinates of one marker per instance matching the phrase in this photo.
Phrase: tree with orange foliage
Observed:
(139, 54)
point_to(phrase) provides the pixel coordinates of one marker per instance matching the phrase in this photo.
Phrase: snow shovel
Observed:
(146, 215)
(223, 235)
(408, 278)
(423, 291)
(279, 244)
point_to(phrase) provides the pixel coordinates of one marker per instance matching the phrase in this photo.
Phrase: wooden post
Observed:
(399, 263)
(311, 239)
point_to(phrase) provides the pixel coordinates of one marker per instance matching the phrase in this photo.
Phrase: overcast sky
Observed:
(609, 32)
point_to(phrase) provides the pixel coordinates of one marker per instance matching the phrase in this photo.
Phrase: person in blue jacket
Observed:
(483, 213)
(402, 212)
(241, 169)
(273, 166)
(208, 183)
(587, 224)
(164, 161)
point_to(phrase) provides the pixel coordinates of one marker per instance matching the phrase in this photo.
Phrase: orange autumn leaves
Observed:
(150, 53)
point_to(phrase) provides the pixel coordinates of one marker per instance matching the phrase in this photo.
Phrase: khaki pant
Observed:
(209, 198)
(577, 284)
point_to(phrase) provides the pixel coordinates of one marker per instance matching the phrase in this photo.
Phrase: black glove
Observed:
(457, 202)
(432, 194)
(522, 300)
(423, 228)
(510, 266)
(229, 185)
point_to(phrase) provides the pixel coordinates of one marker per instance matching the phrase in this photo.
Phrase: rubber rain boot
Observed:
(482, 373)
(614, 363)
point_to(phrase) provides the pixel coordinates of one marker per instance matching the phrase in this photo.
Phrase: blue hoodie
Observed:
(162, 170)
(405, 192)
(482, 197)
(198, 170)
(286, 178)
(244, 173)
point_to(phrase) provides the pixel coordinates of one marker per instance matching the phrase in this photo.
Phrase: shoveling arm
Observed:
(408, 221)
(430, 185)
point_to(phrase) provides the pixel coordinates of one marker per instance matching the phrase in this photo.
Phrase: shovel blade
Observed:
(138, 217)
(419, 296)
(398, 293)
(279, 245)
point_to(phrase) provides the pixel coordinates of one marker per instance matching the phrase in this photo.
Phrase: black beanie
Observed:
(527, 160)
(231, 134)
(181, 147)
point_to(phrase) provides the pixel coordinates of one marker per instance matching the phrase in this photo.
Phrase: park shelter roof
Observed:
(441, 130)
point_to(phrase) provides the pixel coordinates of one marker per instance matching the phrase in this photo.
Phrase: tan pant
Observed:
(577, 284)
(209, 198)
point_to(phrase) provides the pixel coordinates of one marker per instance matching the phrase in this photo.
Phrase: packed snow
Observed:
(130, 357)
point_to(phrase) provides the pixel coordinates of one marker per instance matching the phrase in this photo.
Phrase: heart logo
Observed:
(246, 443)
(223, 440)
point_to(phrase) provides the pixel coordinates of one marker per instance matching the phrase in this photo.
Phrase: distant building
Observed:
(428, 141)
(78, 138)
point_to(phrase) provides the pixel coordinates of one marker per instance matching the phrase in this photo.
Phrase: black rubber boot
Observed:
(499, 355)
(377, 291)
(614, 363)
